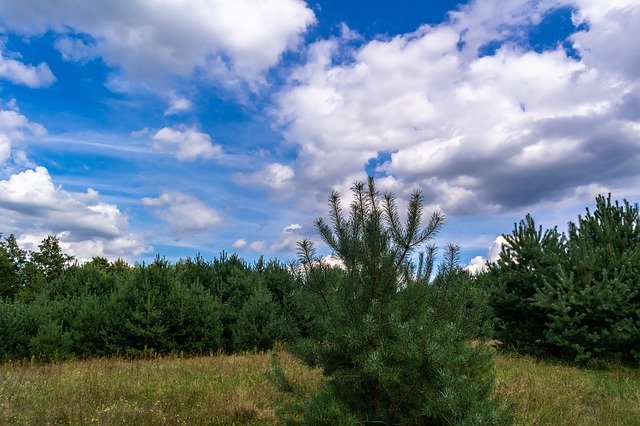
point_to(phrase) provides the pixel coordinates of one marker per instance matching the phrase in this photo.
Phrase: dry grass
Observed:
(217, 389)
(233, 389)
(548, 394)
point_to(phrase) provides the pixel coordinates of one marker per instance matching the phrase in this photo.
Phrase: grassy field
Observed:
(235, 390)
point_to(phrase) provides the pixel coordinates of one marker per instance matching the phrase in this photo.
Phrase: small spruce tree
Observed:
(389, 353)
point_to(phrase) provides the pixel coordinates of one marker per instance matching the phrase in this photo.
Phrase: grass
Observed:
(545, 393)
(219, 389)
(233, 389)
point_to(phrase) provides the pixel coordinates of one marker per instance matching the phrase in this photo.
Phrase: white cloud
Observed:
(177, 105)
(275, 176)
(15, 127)
(33, 207)
(333, 261)
(474, 133)
(21, 159)
(27, 75)
(238, 244)
(613, 25)
(5, 148)
(149, 40)
(184, 213)
(257, 246)
(478, 263)
(496, 247)
(185, 143)
(294, 228)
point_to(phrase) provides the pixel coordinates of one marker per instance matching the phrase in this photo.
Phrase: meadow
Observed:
(236, 389)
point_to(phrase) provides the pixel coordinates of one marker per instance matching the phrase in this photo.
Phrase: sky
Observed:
(135, 127)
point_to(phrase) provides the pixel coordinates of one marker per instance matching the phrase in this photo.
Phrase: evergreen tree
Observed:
(576, 296)
(529, 258)
(391, 351)
(12, 260)
(593, 304)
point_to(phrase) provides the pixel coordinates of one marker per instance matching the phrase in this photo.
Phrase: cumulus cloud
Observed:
(238, 244)
(185, 214)
(613, 25)
(476, 133)
(24, 74)
(275, 176)
(33, 207)
(257, 246)
(177, 105)
(479, 263)
(15, 127)
(149, 40)
(185, 143)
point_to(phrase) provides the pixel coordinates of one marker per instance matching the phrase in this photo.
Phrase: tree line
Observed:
(54, 308)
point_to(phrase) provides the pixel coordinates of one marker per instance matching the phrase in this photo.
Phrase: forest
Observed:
(398, 338)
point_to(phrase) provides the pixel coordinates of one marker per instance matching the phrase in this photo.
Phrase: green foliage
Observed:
(578, 297)
(51, 309)
(50, 259)
(259, 323)
(53, 339)
(528, 260)
(18, 323)
(393, 349)
(12, 260)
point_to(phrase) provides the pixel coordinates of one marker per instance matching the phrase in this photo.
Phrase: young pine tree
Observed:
(593, 305)
(389, 353)
(528, 261)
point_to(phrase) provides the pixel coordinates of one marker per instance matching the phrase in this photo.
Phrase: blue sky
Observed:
(130, 128)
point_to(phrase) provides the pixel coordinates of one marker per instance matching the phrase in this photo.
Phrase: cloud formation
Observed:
(185, 143)
(150, 40)
(33, 207)
(478, 133)
(15, 127)
(274, 175)
(183, 213)
(238, 244)
(479, 263)
(24, 74)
